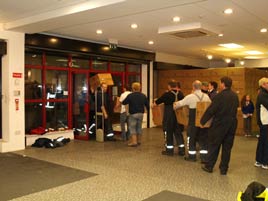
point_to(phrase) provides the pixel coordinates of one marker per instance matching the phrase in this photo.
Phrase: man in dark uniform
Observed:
(104, 107)
(222, 131)
(170, 122)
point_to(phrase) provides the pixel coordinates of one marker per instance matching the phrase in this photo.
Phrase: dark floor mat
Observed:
(171, 196)
(24, 175)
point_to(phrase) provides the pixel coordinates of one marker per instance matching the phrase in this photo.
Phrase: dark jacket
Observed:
(168, 98)
(136, 101)
(224, 106)
(212, 94)
(262, 99)
(248, 109)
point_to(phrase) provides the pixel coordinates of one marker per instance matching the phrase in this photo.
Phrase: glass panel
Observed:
(33, 59)
(116, 88)
(58, 61)
(33, 80)
(133, 78)
(57, 115)
(135, 68)
(117, 67)
(56, 84)
(100, 65)
(80, 106)
(80, 63)
(33, 116)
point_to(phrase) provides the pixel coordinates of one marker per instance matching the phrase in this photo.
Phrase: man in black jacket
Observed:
(262, 120)
(170, 123)
(223, 110)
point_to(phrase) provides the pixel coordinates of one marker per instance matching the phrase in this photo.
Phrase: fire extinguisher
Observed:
(17, 104)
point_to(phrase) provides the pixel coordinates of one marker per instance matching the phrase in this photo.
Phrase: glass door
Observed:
(80, 101)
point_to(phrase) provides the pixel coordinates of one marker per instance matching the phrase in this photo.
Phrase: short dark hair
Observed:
(214, 84)
(227, 81)
(173, 84)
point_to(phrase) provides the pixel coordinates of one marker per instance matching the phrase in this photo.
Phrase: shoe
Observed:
(257, 164)
(223, 172)
(191, 159)
(181, 151)
(167, 153)
(264, 167)
(206, 169)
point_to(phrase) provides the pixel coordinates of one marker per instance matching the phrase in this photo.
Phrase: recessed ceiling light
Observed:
(99, 31)
(53, 40)
(220, 35)
(242, 63)
(228, 11)
(254, 52)
(134, 26)
(209, 56)
(228, 60)
(176, 19)
(151, 42)
(231, 45)
(263, 30)
(252, 57)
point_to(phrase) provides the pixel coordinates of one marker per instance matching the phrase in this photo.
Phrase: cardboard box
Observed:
(97, 79)
(201, 107)
(158, 114)
(182, 115)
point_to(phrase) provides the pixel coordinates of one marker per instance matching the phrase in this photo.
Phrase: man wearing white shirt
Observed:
(124, 114)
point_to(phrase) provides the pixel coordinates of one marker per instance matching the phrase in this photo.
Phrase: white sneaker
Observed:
(264, 167)
(257, 164)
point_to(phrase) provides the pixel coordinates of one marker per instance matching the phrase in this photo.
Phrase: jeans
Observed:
(135, 123)
(123, 122)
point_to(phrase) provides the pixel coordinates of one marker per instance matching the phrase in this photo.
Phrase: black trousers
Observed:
(107, 125)
(172, 127)
(221, 135)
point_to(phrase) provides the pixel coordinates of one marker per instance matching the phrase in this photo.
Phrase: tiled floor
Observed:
(135, 174)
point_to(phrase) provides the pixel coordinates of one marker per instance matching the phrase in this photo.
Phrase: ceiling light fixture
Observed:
(254, 52)
(176, 19)
(209, 56)
(263, 30)
(134, 26)
(220, 35)
(151, 42)
(231, 45)
(228, 11)
(228, 60)
(242, 63)
(99, 31)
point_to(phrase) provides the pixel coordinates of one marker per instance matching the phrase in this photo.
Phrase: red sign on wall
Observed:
(17, 75)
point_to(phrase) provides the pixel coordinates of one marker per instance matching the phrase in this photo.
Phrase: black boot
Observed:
(190, 157)
(181, 151)
(203, 158)
(168, 152)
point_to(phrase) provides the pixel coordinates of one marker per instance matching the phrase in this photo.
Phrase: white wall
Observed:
(12, 120)
(169, 58)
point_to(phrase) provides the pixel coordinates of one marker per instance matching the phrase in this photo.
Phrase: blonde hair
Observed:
(136, 86)
(262, 81)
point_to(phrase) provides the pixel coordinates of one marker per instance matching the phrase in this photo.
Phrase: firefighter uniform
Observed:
(170, 124)
(194, 132)
(254, 192)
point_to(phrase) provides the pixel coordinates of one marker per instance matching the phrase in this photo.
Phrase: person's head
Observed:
(212, 85)
(136, 86)
(226, 82)
(104, 87)
(197, 85)
(204, 86)
(263, 82)
(172, 85)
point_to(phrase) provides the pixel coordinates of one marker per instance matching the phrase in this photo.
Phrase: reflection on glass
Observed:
(33, 59)
(57, 83)
(134, 68)
(57, 116)
(117, 67)
(33, 80)
(33, 116)
(58, 61)
(80, 63)
(133, 78)
(100, 65)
